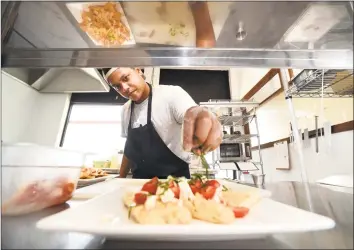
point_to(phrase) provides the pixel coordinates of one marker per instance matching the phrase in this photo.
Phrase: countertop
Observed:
(21, 232)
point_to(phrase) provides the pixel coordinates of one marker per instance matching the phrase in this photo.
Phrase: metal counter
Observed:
(20, 232)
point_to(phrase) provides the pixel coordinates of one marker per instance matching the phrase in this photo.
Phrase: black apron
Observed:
(148, 152)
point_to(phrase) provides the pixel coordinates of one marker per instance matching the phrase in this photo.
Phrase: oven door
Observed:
(230, 151)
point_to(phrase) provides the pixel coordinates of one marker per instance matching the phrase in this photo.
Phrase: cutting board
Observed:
(170, 23)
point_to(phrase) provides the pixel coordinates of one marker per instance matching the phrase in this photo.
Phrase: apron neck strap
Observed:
(148, 111)
(149, 105)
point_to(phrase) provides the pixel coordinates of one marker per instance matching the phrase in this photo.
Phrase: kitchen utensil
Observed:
(35, 177)
(307, 142)
(316, 129)
(327, 133)
(258, 179)
(327, 136)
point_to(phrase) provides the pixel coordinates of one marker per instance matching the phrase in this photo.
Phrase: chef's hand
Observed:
(202, 131)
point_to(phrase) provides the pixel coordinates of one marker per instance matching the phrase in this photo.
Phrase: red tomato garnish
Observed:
(207, 189)
(175, 188)
(240, 212)
(208, 192)
(198, 183)
(195, 186)
(140, 198)
(213, 183)
(151, 186)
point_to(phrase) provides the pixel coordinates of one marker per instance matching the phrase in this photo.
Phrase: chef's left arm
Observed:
(202, 131)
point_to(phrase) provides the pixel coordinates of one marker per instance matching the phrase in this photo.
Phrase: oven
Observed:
(230, 152)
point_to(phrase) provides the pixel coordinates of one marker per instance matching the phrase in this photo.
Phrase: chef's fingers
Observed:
(214, 137)
(197, 151)
(203, 125)
(188, 128)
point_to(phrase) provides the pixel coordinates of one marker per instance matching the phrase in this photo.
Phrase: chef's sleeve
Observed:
(180, 102)
(124, 121)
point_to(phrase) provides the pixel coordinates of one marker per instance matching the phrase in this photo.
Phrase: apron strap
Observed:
(149, 106)
(148, 111)
(130, 117)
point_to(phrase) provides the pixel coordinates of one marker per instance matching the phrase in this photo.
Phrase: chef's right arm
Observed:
(125, 167)
(126, 164)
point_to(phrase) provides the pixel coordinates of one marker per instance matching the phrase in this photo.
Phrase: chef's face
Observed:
(129, 83)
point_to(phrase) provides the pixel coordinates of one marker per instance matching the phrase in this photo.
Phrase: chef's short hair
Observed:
(106, 72)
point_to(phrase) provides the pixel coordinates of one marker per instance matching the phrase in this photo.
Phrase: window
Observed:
(94, 128)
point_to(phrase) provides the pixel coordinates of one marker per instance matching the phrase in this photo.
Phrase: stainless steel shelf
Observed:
(140, 56)
(202, 171)
(336, 83)
(226, 120)
(59, 42)
(231, 112)
(236, 159)
(214, 103)
(238, 138)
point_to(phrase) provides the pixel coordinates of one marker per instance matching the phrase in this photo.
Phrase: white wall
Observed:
(274, 124)
(30, 116)
(242, 80)
(18, 101)
(48, 119)
(337, 160)
(274, 116)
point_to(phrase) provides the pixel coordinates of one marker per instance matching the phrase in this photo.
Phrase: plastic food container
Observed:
(36, 177)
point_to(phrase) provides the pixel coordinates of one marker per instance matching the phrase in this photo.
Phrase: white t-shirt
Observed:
(169, 104)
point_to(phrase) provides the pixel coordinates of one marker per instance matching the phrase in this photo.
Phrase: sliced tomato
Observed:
(175, 188)
(213, 183)
(151, 186)
(208, 192)
(195, 186)
(198, 183)
(240, 212)
(140, 198)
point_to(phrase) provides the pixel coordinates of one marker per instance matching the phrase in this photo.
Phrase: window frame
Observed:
(67, 120)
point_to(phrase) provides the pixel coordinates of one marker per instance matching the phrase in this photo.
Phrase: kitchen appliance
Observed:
(230, 151)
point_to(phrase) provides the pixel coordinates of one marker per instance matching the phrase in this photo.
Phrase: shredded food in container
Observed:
(103, 23)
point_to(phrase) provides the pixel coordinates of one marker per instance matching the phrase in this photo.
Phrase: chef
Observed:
(162, 124)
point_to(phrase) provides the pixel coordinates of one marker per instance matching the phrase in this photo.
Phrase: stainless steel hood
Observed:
(61, 80)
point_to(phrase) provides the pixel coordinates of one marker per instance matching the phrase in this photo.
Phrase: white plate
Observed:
(108, 217)
(77, 8)
(95, 180)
